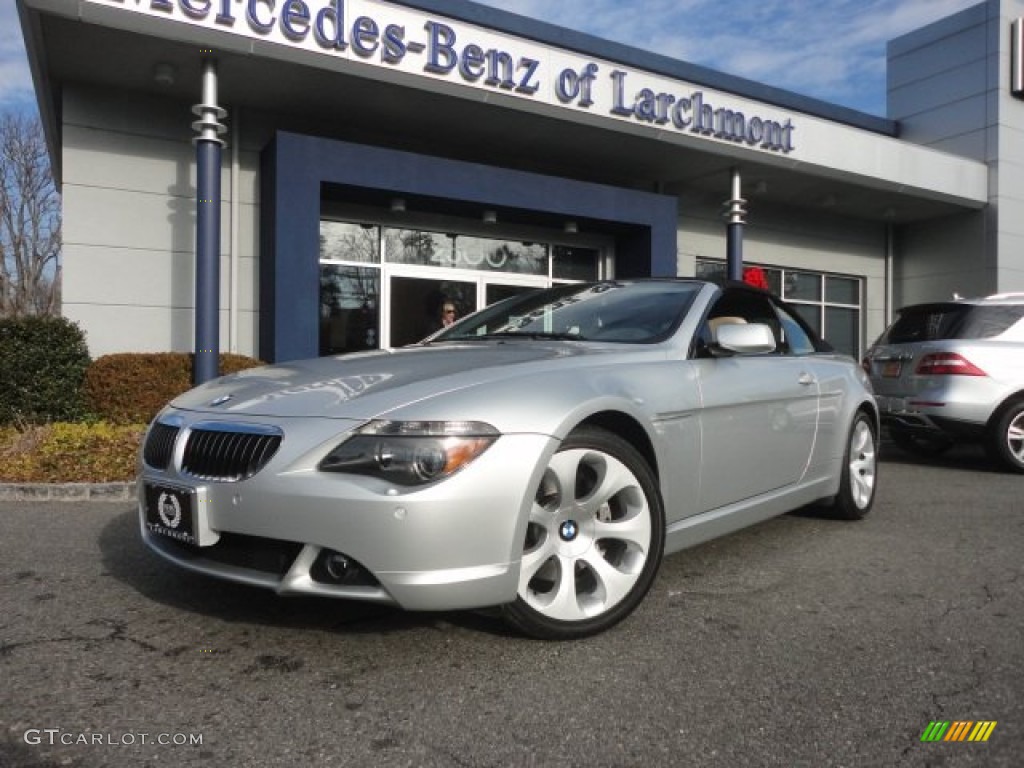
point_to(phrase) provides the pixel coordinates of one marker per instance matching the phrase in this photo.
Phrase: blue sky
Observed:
(829, 49)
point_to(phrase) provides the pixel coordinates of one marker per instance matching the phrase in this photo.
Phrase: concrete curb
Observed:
(67, 491)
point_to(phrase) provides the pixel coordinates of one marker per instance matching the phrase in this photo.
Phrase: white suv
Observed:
(953, 371)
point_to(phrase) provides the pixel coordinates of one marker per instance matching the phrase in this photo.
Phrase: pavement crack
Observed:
(118, 632)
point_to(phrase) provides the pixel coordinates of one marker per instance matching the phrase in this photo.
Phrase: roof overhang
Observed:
(638, 120)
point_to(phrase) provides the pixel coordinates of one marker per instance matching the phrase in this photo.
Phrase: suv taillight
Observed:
(947, 364)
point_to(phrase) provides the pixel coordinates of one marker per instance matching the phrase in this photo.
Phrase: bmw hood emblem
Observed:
(220, 400)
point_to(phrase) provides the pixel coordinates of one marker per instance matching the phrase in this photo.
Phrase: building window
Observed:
(384, 286)
(831, 304)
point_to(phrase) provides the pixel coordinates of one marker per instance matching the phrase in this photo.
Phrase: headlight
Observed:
(410, 452)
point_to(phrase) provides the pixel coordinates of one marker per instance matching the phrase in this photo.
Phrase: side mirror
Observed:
(745, 339)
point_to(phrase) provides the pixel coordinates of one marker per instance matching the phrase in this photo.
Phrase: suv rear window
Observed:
(932, 322)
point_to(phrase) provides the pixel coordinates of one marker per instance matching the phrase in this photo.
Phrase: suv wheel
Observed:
(1005, 439)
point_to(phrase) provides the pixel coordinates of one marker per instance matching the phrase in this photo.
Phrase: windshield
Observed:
(629, 312)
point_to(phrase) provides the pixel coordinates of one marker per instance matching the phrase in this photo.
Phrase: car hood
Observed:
(367, 385)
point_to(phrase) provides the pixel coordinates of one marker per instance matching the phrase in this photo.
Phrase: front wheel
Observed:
(593, 542)
(1005, 438)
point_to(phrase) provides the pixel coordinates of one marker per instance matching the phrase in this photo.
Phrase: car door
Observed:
(759, 413)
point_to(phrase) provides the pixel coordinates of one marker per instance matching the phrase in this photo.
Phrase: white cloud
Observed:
(834, 51)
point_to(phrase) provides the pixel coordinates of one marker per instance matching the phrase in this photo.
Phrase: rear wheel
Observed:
(1005, 438)
(860, 470)
(925, 445)
(594, 540)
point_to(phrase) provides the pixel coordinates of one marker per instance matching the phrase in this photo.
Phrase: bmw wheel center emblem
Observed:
(568, 530)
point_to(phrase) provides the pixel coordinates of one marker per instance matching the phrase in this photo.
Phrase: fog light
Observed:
(340, 570)
(337, 566)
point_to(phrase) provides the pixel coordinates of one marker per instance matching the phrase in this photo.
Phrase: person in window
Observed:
(449, 314)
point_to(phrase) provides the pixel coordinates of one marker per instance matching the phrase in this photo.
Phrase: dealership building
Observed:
(292, 178)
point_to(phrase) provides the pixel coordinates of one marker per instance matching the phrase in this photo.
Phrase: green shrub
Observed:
(69, 453)
(42, 364)
(130, 388)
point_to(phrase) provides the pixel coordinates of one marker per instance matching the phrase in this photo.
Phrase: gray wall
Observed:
(129, 224)
(948, 85)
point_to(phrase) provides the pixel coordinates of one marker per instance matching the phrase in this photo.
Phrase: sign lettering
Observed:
(389, 35)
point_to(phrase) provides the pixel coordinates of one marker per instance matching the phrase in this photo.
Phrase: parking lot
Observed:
(800, 642)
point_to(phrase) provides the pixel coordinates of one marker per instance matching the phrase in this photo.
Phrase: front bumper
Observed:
(452, 545)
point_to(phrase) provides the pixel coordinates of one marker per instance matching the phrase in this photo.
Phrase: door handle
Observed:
(807, 379)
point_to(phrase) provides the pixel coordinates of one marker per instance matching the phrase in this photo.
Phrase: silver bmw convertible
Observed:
(538, 457)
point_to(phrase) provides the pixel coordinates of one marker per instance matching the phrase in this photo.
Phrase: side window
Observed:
(795, 340)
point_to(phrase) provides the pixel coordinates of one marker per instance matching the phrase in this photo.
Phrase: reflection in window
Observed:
(349, 309)
(500, 255)
(434, 249)
(802, 286)
(574, 263)
(712, 271)
(414, 246)
(345, 241)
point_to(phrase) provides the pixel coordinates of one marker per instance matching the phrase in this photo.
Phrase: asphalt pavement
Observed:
(800, 642)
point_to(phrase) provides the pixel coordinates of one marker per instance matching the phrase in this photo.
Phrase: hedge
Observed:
(131, 388)
(69, 453)
(43, 361)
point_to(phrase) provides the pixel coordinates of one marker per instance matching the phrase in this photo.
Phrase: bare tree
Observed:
(30, 223)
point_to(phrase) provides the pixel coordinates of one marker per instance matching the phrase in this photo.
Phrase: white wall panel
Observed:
(129, 200)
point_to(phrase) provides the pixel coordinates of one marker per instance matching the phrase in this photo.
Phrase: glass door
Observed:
(419, 306)
(387, 286)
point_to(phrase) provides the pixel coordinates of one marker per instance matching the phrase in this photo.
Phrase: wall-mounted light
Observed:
(397, 205)
(490, 217)
(571, 227)
(164, 74)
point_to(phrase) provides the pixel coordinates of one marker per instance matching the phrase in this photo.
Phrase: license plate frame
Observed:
(891, 369)
(171, 512)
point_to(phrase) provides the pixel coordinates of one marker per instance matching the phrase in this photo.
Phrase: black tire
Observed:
(1004, 439)
(858, 485)
(614, 549)
(926, 446)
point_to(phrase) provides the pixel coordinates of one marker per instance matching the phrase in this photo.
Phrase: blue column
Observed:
(207, 319)
(734, 250)
(208, 143)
